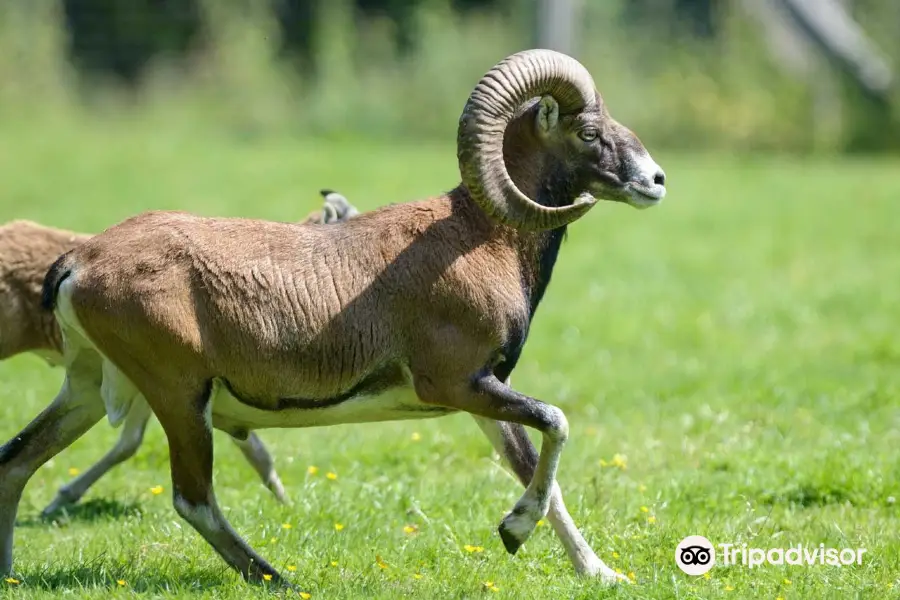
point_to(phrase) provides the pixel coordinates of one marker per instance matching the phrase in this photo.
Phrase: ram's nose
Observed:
(648, 177)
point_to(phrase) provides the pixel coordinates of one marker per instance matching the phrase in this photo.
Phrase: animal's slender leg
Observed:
(129, 441)
(76, 408)
(486, 396)
(512, 443)
(184, 415)
(258, 456)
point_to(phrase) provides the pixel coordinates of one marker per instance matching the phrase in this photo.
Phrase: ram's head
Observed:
(579, 145)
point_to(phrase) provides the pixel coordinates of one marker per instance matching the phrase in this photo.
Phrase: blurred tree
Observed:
(117, 40)
(297, 24)
(296, 21)
(677, 18)
(467, 6)
(697, 16)
(402, 13)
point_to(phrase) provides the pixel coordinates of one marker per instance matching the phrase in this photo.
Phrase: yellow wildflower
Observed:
(651, 519)
(631, 577)
(291, 568)
(305, 595)
(706, 576)
(267, 577)
(415, 436)
(334, 563)
(73, 471)
(417, 576)
(615, 555)
(312, 469)
(330, 475)
(12, 581)
(469, 548)
(121, 582)
(787, 582)
(620, 461)
(410, 529)
(380, 562)
(286, 525)
(156, 490)
(490, 586)
(644, 509)
(729, 588)
(338, 526)
(540, 523)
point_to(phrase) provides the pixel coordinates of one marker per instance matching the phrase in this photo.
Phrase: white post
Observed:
(555, 25)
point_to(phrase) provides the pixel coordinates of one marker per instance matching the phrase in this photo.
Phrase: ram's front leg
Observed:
(486, 396)
(515, 448)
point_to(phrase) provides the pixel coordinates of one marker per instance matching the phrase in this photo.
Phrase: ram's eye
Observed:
(588, 135)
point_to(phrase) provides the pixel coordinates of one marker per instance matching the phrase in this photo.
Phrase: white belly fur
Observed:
(393, 405)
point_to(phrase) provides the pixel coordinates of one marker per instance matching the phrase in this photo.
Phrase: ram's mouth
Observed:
(645, 196)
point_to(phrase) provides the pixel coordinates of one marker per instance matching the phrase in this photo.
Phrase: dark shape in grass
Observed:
(95, 509)
(721, 467)
(809, 495)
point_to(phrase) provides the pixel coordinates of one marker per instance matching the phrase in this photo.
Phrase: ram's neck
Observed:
(538, 252)
(546, 182)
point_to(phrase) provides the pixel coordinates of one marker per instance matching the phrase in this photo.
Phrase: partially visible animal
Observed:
(27, 250)
(411, 311)
(336, 209)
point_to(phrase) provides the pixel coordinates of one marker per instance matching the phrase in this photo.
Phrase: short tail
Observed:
(57, 273)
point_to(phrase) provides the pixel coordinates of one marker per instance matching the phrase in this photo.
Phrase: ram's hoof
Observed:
(510, 542)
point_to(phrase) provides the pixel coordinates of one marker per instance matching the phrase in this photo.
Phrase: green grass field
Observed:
(729, 363)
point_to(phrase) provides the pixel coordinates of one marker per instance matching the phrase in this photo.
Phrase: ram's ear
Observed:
(547, 116)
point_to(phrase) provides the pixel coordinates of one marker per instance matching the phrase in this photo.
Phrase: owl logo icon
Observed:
(695, 555)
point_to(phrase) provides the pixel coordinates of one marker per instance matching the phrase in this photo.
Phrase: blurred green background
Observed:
(737, 75)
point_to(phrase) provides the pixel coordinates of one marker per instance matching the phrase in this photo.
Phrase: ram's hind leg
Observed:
(260, 459)
(512, 443)
(184, 415)
(76, 408)
(129, 441)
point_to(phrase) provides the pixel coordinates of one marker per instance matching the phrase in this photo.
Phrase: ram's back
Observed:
(314, 310)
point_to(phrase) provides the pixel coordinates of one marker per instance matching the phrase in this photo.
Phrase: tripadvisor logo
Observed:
(695, 555)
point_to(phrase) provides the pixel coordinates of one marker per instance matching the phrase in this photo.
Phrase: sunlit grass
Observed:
(728, 363)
